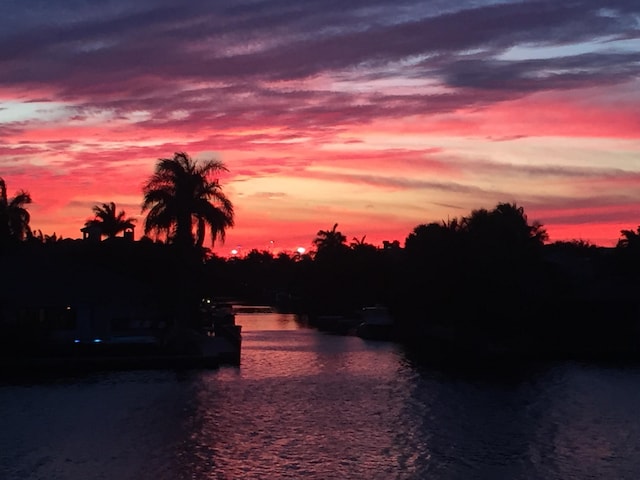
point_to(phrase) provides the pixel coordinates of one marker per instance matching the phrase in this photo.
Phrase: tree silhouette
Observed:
(628, 253)
(14, 217)
(40, 237)
(630, 239)
(433, 239)
(181, 195)
(108, 221)
(503, 231)
(356, 242)
(330, 240)
(435, 268)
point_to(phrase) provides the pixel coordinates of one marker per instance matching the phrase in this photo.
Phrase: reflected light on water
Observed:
(303, 404)
(308, 406)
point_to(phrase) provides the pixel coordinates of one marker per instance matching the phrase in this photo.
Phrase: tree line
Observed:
(489, 279)
(183, 198)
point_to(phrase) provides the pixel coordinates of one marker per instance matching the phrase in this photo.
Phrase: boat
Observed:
(376, 323)
(215, 315)
(220, 322)
(87, 337)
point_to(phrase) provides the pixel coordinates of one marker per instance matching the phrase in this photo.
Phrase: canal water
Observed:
(309, 405)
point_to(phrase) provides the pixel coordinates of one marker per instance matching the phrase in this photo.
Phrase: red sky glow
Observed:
(375, 115)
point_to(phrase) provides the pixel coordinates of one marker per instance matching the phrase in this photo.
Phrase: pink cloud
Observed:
(298, 91)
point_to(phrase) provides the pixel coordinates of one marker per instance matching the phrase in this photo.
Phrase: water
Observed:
(304, 404)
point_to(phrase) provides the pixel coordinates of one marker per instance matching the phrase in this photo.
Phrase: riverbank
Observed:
(202, 352)
(305, 404)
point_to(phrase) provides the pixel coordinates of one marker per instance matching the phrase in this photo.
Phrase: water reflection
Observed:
(318, 406)
(303, 404)
(321, 406)
(588, 426)
(311, 406)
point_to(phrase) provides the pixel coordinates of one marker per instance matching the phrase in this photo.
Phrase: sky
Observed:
(375, 115)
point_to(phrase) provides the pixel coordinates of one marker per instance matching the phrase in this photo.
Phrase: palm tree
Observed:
(181, 195)
(40, 237)
(630, 239)
(14, 217)
(361, 247)
(330, 240)
(108, 221)
(358, 242)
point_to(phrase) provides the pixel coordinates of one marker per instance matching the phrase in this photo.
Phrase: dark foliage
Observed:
(486, 282)
(109, 221)
(14, 216)
(182, 196)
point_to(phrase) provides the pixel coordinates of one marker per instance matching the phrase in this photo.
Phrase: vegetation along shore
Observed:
(488, 283)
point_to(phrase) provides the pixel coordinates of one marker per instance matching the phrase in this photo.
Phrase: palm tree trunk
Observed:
(184, 235)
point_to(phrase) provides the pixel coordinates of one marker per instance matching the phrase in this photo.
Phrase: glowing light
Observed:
(301, 250)
(97, 340)
(234, 252)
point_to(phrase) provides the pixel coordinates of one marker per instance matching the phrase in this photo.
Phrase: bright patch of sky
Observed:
(307, 189)
(375, 141)
(548, 151)
(537, 52)
(393, 78)
(139, 116)
(177, 115)
(242, 48)
(602, 154)
(207, 155)
(27, 111)
(282, 141)
(389, 86)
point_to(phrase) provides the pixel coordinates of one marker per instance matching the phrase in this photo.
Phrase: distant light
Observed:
(68, 307)
(234, 252)
(301, 250)
(76, 340)
(97, 340)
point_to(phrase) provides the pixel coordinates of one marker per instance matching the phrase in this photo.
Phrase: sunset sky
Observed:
(376, 115)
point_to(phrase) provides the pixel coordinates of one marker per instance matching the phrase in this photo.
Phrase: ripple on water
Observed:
(308, 405)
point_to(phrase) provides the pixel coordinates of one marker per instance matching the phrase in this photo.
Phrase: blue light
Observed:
(76, 341)
(97, 340)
